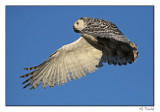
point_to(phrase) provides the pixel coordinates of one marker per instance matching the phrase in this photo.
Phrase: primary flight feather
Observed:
(101, 41)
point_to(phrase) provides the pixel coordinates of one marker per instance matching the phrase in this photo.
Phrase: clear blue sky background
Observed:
(33, 33)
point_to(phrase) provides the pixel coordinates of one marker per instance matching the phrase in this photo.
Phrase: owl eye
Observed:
(77, 23)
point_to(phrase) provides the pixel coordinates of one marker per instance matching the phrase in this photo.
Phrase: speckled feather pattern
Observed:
(103, 29)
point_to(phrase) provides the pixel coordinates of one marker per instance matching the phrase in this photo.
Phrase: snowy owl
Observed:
(101, 41)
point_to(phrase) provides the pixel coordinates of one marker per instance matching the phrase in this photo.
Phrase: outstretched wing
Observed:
(72, 61)
(104, 29)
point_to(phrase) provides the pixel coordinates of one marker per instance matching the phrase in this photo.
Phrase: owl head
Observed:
(80, 24)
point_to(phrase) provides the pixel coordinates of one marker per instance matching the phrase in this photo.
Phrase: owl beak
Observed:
(75, 30)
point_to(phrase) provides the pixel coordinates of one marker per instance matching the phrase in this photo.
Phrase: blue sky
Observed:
(33, 33)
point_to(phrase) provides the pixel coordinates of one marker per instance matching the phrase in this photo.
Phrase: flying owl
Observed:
(101, 41)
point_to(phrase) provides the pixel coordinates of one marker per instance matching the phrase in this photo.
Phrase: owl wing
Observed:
(119, 49)
(72, 61)
(105, 29)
